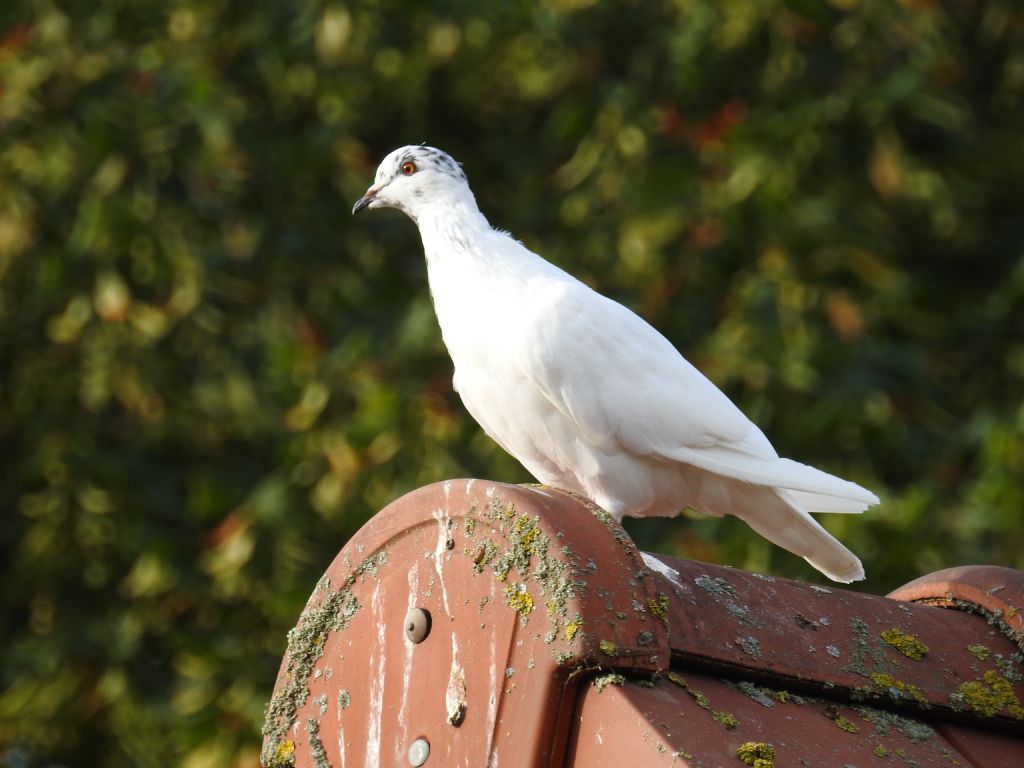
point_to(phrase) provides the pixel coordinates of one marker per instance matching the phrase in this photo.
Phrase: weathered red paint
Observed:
(817, 639)
(553, 642)
(707, 723)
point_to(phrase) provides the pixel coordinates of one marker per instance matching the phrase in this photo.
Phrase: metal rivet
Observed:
(419, 751)
(417, 625)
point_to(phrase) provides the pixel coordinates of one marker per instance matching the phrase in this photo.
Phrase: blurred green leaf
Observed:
(211, 376)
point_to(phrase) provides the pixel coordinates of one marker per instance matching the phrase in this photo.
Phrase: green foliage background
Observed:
(211, 375)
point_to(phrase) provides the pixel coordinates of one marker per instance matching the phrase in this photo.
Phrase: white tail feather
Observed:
(777, 516)
(820, 502)
(775, 472)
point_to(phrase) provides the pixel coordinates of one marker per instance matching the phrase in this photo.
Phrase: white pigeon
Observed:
(587, 395)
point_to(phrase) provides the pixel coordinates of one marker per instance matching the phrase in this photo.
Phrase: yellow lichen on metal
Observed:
(519, 599)
(726, 719)
(526, 531)
(846, 725)
(659, 607)
(572, 628)
(896, 687)
(988, 696)
(979, 651)
(612, 678)
(699, 698)
(284, 751)
(756, 754)
(907, 644)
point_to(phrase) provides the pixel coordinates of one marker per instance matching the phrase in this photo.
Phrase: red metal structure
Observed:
(485, 625)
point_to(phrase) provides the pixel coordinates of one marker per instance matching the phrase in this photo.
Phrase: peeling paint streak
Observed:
(455, 653)
(414, 589)
(494, 684)
(443, 532)
(376, 685)
(455, 694)
(656, 565)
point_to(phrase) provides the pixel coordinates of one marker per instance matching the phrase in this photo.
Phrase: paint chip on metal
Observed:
(455, 696)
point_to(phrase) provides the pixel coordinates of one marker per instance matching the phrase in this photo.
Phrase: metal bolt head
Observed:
(417, 624)
(419, 751)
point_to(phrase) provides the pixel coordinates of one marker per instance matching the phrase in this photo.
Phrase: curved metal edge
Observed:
(591, 580)
(558, 558)
(995, 592)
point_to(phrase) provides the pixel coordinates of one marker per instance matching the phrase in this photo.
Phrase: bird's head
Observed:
(413, 177)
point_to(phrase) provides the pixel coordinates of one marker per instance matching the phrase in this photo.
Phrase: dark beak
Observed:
(363, 202)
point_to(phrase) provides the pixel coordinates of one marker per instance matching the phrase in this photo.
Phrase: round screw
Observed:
(419, 751)
(417, 625)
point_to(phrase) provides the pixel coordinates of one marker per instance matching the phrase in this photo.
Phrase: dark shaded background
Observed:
(211, 375)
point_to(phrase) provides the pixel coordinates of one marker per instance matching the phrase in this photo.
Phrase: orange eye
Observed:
(408, 167)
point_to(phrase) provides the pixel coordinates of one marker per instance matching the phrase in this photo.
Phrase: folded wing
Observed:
(627, 388)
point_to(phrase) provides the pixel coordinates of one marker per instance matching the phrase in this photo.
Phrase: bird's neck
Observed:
(453, 232)
(457, 243)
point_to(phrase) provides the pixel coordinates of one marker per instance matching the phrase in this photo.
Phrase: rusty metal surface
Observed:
(466, 624)
(869, 648)
(522, 586)
(690, 720)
